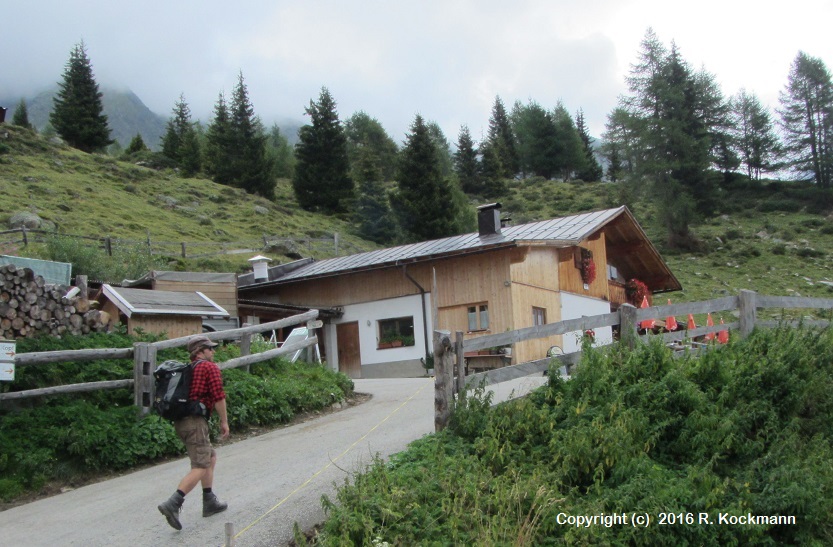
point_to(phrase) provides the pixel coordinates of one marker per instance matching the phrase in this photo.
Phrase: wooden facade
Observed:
(489, 285)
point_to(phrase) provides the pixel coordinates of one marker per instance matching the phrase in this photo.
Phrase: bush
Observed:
(744, 429)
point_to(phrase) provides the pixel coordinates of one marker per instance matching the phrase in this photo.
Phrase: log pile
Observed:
(31, 307)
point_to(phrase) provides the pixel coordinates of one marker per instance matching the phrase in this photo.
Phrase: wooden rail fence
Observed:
(144, 360)
(449, 363)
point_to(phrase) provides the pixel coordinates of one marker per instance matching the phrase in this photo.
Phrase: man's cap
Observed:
(198, 342)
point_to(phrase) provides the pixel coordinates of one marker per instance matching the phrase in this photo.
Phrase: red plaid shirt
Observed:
(207, 384)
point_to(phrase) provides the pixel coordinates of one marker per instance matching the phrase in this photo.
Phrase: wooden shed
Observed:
(221, 288)
(175, 313)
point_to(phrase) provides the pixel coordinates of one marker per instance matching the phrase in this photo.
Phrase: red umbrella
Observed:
(671, 321)
(723, 336)
(709, 323)
(646, 324)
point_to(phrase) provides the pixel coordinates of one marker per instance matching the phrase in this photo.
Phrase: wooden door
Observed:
(349, 352)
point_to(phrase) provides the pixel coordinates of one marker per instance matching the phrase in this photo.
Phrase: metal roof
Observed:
(144, 301)
(561, 232)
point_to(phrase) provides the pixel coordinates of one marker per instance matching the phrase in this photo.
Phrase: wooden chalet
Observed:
(176, 313)
(495, 280)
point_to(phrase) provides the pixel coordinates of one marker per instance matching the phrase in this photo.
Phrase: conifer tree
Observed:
(21, 115)
(219, 147)
(180, 142)
(422, 202)
(372, 214)
(502, 140)
(281, 153)
(591, 171)
(253, 167)
(322, 178)
(137, 144)
(466, 165)
(77, 113)
(754, 136)
(807, 120)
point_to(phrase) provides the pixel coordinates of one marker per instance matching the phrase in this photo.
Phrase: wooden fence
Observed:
(326, 246)
(144, 360)
(449, 364)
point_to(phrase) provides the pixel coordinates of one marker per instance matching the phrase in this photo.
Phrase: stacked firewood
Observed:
(31, 307)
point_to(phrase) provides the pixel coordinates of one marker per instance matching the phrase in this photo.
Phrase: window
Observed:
(478, 317)
(396, 332)
(539, 316)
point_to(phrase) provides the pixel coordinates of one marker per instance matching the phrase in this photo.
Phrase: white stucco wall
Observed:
(368, 315)
(574, 306)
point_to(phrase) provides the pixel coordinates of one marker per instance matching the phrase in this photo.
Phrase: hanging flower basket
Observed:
(636, 290)
(586, 266)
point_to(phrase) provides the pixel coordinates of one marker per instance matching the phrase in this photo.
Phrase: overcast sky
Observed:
(444, 59)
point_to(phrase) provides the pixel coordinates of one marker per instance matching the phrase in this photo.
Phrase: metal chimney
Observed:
(260, 264)
(488, 219)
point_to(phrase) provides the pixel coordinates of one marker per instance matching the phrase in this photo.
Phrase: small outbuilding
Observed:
(175, 313)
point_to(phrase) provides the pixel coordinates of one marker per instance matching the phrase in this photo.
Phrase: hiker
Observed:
(207, 387)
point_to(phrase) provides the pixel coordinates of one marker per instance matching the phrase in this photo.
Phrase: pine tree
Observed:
(591, 171)
(219, 147)
(281, 153)
(180, 142)
(253, 167)
(77, 113)
(465, 164)
(537, 138)
(137, 144)
(322, 179)
(807, 119)
(422, 202)
(372, 214)
(502, 139)
(569, 150)
(21, 115)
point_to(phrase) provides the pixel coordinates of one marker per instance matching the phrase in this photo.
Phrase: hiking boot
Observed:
(211, 505)
(171, 509)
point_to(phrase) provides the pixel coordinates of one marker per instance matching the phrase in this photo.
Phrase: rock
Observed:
(261, 210)
(25, 219)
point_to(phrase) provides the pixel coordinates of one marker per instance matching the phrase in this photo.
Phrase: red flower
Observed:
(588, 270)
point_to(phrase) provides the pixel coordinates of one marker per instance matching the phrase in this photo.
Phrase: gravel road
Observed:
(270, 481)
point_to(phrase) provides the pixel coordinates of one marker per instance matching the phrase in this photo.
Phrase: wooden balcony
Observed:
(616, 294)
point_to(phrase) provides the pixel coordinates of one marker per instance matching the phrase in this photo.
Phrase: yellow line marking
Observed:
(309, 480)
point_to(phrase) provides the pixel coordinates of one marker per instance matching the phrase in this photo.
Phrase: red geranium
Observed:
(588, 270)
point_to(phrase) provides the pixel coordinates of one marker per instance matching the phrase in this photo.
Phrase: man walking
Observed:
(206, 387)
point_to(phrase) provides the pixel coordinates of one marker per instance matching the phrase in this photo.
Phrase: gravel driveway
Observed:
(270, 481)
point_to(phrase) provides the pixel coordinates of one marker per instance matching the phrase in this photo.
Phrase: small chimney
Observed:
(488, 219)
(260, 264)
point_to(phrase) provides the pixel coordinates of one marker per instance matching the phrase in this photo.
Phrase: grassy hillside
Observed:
(95, 195)
(773, 238)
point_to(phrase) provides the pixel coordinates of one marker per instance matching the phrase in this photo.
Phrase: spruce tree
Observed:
(253, 167)
(77, 113)
(591, 171)
(422, 202)
(21, 115)
(372, 214)
(502, 139)
(322, 179)
(137, 144)
(180, 142)
(466, 165)
(219, 149)
(363, 131)
(754, 136)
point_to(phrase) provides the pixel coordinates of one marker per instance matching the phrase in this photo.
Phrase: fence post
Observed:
(25, 239)
(183, 249)
(442, 379)
(461, 363)
(748, 312)
(627, 325)
(144, 363)
(246, 348)
(335, 243)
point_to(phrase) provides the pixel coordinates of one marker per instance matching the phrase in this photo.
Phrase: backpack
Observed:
(173, 385)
